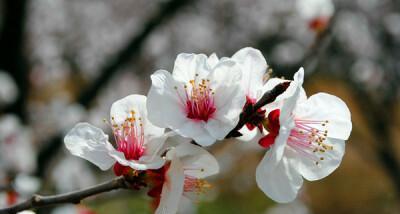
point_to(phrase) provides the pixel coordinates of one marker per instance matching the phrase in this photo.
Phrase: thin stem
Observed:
(75, 197)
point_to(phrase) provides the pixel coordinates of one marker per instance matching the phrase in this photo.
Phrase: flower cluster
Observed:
(207, 99)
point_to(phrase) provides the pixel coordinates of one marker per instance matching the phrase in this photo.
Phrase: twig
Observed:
(248, 112)
(72, 197)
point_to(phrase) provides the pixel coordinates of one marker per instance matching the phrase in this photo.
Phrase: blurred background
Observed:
(65, 61)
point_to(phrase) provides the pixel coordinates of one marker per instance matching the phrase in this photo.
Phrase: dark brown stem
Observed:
(72, 197)
(248, 112)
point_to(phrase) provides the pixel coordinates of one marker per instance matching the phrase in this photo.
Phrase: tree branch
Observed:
(72, 197)
(248, 112)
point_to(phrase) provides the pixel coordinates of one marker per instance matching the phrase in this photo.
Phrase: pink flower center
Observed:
(129, 137)
(307, 138)
(198, 100)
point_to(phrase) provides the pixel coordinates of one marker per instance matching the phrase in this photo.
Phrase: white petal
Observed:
(212, 60)
(196, 161)
(332, 159)
(163, 104)
(249, 136)
(89, 142)
(229, 98)
(278, 148)
(253, 67)
(290, 103)
(155, 144)
(280, 181)
(172, 190)
(122, 109)
(144, 163)
(295, 92)
(324, 107)
(196, 130)
(188, 65)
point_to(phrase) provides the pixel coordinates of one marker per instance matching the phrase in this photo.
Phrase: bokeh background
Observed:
(64, 61)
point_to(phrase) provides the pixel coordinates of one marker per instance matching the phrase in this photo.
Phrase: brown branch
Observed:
(72, 197)
(248, 112)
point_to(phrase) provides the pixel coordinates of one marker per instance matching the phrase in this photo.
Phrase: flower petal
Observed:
(253, 67)
(90, 143)
(331, 161)
(144, 163)
(196, 161)
(324, 107)
(122, 109)
(212, 60)
(163, 104)
(279, 181)
(196, 130)
(229, 98)
(188, 65)
(172, 190)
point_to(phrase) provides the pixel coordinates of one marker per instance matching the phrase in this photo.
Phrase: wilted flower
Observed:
(306, 139)
(202, 99)
(138, 140)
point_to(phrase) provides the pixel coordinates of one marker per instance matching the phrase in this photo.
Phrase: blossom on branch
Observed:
(253, 66)
(137, 140)
(306, 139)
(202, 99)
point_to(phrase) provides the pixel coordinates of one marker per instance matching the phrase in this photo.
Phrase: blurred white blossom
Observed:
(8, 89)
(71, 174)
(16, 145)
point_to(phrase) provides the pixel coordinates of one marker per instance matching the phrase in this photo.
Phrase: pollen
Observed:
(309, 139)
(195, 185)
(198, 99)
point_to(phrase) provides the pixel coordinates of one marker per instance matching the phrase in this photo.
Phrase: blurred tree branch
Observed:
(75, 197)
(12, 56)
(124, 56)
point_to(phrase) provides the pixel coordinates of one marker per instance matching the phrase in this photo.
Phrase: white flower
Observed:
(202, 99)
(316, 12)
(183, 176)
(8, 89)
(311, 9)
(306, 140)
(253, 66)
(138, 140)
(75, 172)
(26, 185)
(17, 153)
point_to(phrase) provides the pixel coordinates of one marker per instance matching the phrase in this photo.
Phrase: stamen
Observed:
(129, 136)
(198, 99)
(308, 139)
